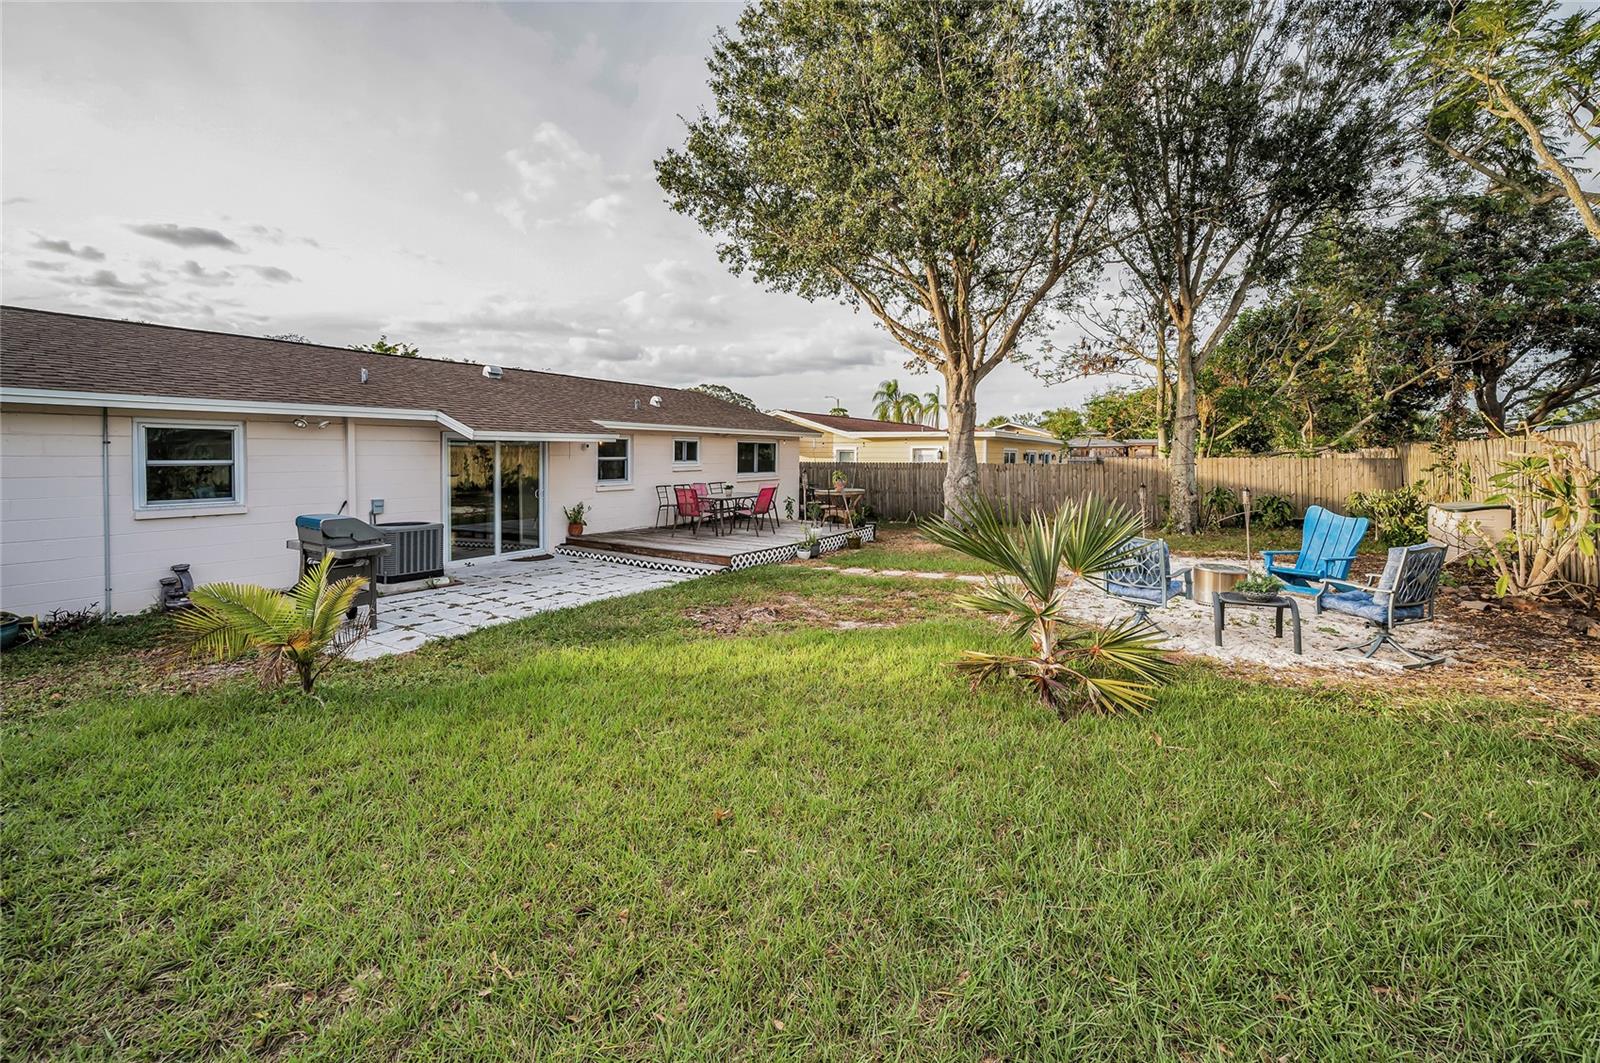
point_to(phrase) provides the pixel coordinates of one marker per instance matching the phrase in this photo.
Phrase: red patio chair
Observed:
(695, 510)
(762, 507)
(702, 490)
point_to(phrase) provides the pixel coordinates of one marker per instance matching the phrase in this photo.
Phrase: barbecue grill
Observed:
(355, 545)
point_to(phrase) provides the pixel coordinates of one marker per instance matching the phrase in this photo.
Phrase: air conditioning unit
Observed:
(418, 551)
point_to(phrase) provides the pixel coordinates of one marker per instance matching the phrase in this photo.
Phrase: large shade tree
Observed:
(1503, 298)
(930, 161)
(1236, 124)
(1514, 90)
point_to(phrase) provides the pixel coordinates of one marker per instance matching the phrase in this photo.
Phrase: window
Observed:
(844, 453)
(611, 466)
(686, 452)
(757, 458)
(924, 453)
(188, 465)
(1044, 457)
(1008, 457)
(1030, 457)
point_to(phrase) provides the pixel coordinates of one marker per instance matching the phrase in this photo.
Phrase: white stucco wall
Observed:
(51, 548)
(51, 515)
(571, 473)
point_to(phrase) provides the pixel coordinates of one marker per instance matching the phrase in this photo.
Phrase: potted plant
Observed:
(788, 508)
(577, 516)
(810, 546)
(839, 479)
(14, 628)
(1262, 588)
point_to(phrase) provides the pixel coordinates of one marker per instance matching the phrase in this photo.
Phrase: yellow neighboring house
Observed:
(844, 438)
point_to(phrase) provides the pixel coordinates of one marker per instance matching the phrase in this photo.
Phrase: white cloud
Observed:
(515, 214)
(606, 210)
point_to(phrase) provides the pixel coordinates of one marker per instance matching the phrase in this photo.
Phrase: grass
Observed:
(610, 832)
(901, 547)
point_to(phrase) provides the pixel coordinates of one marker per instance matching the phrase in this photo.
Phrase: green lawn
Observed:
(901, 547)
(618, 833)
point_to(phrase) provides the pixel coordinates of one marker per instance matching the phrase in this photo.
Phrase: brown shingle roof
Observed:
(861, 424)
(68, 352)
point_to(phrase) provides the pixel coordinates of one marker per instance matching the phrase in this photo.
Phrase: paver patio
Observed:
(497, 592)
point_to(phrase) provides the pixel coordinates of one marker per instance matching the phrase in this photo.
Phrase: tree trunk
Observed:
(1185, 490)
(1161, 399)
(961, 465)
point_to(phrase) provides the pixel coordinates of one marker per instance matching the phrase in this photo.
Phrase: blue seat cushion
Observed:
(1368, 608)
(1144, 594)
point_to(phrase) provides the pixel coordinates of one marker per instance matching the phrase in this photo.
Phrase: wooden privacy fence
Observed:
(907, 490)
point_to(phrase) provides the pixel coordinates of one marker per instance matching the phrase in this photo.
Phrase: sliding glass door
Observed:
(493, 498)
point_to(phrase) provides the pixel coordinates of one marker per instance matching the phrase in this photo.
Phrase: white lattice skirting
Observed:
(654, 564)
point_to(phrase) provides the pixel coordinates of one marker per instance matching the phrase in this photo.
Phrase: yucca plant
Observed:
(303, 629)
(1071, 666)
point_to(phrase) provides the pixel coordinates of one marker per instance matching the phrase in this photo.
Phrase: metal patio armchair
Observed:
(1144, 578)
(1402, 593)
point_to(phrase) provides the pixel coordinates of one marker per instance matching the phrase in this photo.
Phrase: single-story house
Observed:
(126, 448)
(1109, 447)
(841, 438)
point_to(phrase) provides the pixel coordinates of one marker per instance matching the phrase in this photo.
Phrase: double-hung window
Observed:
(612, 462)
(686, 451)
(188, 465)
(757, 459)
(1030, 457)
(924, 453)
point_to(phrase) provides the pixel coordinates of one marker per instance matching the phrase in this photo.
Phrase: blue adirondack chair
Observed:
(1144, 577)
(1328, 544)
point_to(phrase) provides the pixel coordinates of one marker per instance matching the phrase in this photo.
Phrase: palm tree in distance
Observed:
(892, 404)
(930, 407)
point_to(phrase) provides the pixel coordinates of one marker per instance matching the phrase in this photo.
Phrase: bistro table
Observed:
(849, 502)
(1222, 601)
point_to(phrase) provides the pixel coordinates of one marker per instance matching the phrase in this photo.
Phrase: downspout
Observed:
(105, 507)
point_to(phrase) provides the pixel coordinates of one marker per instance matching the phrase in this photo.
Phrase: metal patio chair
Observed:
(1144, 578)
(1402, 593)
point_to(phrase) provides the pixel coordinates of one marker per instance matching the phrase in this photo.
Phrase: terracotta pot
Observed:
(574, 530)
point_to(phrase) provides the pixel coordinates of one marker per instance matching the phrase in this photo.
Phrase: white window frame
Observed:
(693, 463)
(840, 452)
(757, 474)
(925, 450)
(1008, 456)
(627, 480)
(142, 507)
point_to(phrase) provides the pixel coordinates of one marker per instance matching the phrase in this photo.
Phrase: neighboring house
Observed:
(844, 439)
(1107, 447)
(128, 448)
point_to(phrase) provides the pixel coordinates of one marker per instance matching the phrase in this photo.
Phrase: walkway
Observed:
(496, 592)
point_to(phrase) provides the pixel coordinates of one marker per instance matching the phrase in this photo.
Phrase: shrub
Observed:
(1555, 502)
(1399, 517)
(303, 629)
(1110, 669)
(1220, 505)
(1271, 511)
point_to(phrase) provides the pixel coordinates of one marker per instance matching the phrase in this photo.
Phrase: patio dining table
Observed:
(726, 507)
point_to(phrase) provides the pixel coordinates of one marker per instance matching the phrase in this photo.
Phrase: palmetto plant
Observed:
(302, 630)
(1110, 669)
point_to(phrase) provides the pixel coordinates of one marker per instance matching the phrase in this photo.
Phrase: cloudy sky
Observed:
(472, 179)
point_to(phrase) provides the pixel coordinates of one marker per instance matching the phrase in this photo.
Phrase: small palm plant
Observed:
(302, 629)
(1110, 669)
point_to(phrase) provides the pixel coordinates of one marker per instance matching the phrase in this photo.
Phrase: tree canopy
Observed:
(725, 393)
(933, 163)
